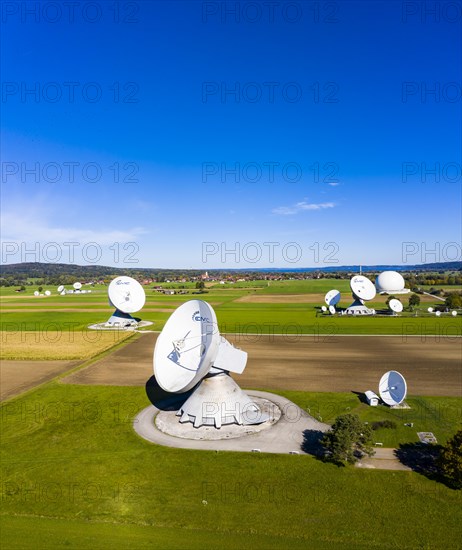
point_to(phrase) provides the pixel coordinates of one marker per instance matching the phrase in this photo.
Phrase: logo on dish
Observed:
(122, 282)
(196, 316)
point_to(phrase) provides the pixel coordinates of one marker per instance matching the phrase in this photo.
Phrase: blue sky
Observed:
(331, 127)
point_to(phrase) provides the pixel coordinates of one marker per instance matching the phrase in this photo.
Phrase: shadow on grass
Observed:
(422, 458)
(163, 400)
(312, 443)
(361, 396)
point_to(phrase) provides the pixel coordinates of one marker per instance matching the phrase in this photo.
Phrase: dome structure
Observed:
(390, 282)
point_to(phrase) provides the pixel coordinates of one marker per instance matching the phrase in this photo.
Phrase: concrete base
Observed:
(105, 326)
(294, 432)
(167, 422)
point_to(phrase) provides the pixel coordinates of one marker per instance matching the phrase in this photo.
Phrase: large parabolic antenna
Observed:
(127, 296)
(190, 352)
(363, 290)
(392, 388)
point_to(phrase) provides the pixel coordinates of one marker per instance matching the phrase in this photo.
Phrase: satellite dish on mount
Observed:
(126, 294)
(191, 352)
(186, 347)
(63, 293)
(332, 298)
(47, 293)
(363, 290)
(438, 313)
(454, 313)
(332, 310)
(430, 310)
(395, 305)
(77, 286)
(323, 308)
(60, 288)
(36, 293)
(392, 388)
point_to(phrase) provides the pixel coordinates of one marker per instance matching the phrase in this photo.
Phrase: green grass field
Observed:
(23, 311)
(76, 475)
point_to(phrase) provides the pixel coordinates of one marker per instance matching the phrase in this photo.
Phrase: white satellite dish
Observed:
(60, 288)
(77, 286)
(126, 294)
(332, 310)
(438, 313)
(392, 388)
(332, 298)
(47, 293)
(324, 309)
(186, 347)
(430, 310)
(395, 305)
(89, 290)
(36, 293)
(83, 291)
(454, 313)
(63, 293)
(362, 287)
(363, 290)
(191, 352)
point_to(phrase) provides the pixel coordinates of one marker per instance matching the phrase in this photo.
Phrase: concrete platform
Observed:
(295, 430)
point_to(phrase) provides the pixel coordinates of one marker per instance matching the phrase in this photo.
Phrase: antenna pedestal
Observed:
(218, 401)
(359, 308)
(121, 319)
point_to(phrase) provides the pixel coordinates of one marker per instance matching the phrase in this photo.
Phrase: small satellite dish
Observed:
(60, 288)
(323, 308)
(187, 347)
(89, 290)
(63, 293)
(454, 313)
(47, 293)
(126, 294)
(36, 293)
(430, 310)
(332, 298)
(395, 305)
(392, 388)
(362, 287)
(438, 313)
(332, 310)
(83, 291)
(77, 286)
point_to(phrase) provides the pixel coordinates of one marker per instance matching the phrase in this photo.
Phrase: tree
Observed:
(200, 285)
(40, 288)
(348, 440)
(453, 301)
(414, 300)
(450, 460)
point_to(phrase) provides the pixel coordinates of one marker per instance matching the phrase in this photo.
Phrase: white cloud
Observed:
(29, 227)
(300, 207)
